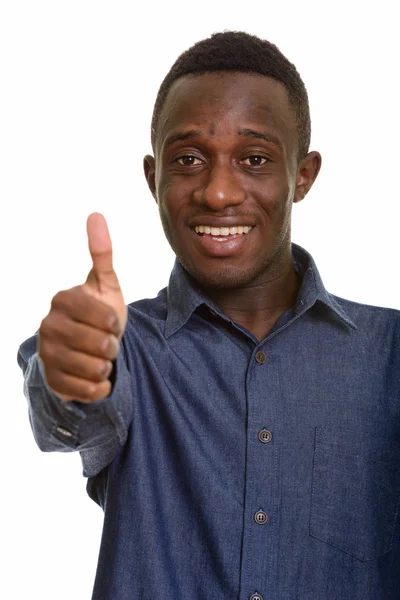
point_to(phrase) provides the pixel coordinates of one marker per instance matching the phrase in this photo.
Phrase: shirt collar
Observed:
(184, 295)
(312, 288)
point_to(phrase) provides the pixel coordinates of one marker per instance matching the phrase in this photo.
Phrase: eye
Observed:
(188, 161)
(254, 160)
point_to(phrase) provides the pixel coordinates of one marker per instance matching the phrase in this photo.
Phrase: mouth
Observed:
(221, 242)
(222, 232)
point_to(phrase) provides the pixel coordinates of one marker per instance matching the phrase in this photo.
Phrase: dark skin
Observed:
(233, 161)
(227, 154)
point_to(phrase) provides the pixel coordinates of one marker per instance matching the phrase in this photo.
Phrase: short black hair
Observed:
(241, 52)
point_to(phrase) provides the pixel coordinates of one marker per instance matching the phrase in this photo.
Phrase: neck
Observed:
(259, 305)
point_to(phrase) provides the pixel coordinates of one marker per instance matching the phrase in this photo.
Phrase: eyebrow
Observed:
(246, 132)
(268, 137)
(181, 137)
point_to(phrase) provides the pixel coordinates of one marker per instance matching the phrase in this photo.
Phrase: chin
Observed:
(221, 278)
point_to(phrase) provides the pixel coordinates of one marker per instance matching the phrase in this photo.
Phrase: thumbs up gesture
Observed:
(79, 338)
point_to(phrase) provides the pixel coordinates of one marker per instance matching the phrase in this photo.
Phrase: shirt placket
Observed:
(260, 519)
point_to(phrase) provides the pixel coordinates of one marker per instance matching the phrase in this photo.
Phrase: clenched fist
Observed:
(79, 338)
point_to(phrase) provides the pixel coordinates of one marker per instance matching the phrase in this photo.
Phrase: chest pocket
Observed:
(355, 491)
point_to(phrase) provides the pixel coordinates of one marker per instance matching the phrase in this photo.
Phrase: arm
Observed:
(76, 379)
(97, 429)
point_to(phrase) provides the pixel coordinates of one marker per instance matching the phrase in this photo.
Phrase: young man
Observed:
(241, 430)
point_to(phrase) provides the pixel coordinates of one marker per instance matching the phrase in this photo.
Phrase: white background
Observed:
(78, 82)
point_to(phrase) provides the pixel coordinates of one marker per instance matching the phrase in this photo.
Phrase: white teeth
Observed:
(222, 231)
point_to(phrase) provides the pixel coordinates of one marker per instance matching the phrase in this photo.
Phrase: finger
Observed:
(59, 328)
(81, 307)
(71, 387)
(57, 358)
(100, 248)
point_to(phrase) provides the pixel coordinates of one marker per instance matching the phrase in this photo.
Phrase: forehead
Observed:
(228, 100)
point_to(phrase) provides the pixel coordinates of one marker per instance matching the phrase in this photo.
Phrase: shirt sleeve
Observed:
(97, 430)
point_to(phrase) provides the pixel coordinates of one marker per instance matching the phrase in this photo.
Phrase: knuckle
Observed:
(94, 392)
(87, 391)
(45, 326)
(104, 390)
(95, 372)
(103, 369)
(105, 344)
(50, 325)
(101, 391)
(57, 299)
(91, 392)
(111, 319)
(65, 298)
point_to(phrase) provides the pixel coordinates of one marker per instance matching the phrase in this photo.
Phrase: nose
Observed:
(220, 188)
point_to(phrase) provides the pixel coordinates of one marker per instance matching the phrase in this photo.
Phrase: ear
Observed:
(307, 172)
(149, 166)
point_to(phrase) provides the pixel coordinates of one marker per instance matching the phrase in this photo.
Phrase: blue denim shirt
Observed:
(229, 468)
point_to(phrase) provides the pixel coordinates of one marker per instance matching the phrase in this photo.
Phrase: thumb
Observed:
(100, 248)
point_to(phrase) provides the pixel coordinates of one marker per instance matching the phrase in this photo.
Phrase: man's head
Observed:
(245, 53)
(230, 134)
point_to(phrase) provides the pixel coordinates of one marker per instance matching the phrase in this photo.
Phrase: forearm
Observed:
(71, 426)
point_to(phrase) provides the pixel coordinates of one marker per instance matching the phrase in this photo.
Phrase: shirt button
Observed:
(261, 517)
(265, 436)
(256, 597)
(260, 357)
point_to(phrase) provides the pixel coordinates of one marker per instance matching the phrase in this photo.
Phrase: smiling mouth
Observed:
(222, 234)
(221, 242)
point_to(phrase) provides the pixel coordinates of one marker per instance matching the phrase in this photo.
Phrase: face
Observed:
(225, 175)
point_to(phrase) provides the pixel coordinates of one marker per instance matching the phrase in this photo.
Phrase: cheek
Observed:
(274, 195)
(172, 196)
(170, 203)
(165, 195)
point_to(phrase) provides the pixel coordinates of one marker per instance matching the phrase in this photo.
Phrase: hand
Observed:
(80, 336)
